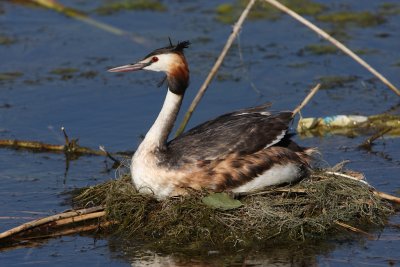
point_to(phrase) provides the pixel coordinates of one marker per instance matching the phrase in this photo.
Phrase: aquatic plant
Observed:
(115, 6)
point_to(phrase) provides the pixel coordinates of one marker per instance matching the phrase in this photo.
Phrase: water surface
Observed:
(269, 62)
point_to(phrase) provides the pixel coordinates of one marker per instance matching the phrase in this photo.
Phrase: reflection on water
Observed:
(301, 254)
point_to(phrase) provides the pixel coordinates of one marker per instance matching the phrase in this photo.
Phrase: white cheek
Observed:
(163, 63)
(153, 67)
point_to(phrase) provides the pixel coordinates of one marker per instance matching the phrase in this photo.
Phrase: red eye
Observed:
(154, 59)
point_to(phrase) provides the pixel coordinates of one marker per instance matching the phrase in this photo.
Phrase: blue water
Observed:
(115, 110)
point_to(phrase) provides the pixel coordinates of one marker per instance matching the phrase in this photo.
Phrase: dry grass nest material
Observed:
(308, 210)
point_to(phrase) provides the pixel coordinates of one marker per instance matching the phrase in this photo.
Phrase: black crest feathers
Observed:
(171, 48)
(182, 45)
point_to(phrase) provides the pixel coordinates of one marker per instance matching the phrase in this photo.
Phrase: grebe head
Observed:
(169, 60)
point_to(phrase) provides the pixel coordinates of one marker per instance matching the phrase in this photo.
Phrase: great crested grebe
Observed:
(241, 151)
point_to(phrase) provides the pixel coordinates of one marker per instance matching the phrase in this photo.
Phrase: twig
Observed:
(215, 68)
(80, 218)
(382, 195)
(40, 146)
(26, 144)
(387, 197)
(307, 99)
(72, 148)
(116, 161)
(67, 143)
(354, 229)
(346, 176)
(277, 190)
(52, 218)
(335, 42)
(339, 166)
(368, 143)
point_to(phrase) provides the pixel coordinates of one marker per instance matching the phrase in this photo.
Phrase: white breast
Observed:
(276, 175)
(148, 177)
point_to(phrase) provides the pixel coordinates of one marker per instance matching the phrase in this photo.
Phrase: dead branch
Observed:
(80, 218)
(367, 144)
(49, 219)
(307, 99)
(335, 42)
(116, 161)
(40, 146)
(382, 195)
(388, 197)
(354, 229)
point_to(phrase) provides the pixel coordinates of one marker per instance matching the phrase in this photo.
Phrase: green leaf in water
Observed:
(221, 201)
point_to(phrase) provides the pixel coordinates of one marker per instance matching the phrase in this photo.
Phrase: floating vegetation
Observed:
(5, 40)
(318, 49)
(10, 76)
(298, 65)
(350, 125)
(309, 210)
(365, 51)
(345, 18)
(330, 82)
(228, 13)
(389, 9)
(116, 6)
(64, 73)
(88, 74)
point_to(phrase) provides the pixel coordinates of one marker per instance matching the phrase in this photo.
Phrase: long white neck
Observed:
(157, 136)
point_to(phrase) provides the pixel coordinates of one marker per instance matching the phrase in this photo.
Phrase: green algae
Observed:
(346, 18)
(116, 6)
(64, 71)
(330, 82)
(389, 9)
(6, 40)
(318, 49)
(228, 13)
(10, 76)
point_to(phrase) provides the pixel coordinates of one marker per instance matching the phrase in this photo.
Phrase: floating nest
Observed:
(309, 210)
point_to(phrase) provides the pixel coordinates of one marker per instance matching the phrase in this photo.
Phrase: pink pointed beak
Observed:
(129, 67)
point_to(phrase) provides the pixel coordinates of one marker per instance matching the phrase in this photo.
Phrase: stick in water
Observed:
(307, 99)
(215, 68)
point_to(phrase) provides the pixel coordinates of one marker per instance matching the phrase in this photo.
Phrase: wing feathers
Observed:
(243, 132)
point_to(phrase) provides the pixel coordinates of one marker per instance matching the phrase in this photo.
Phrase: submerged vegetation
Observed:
(6, 40)
(64, 71)
(309, 210)
(330, 82)
(10, 76)
(318, 49)
(360, 19)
